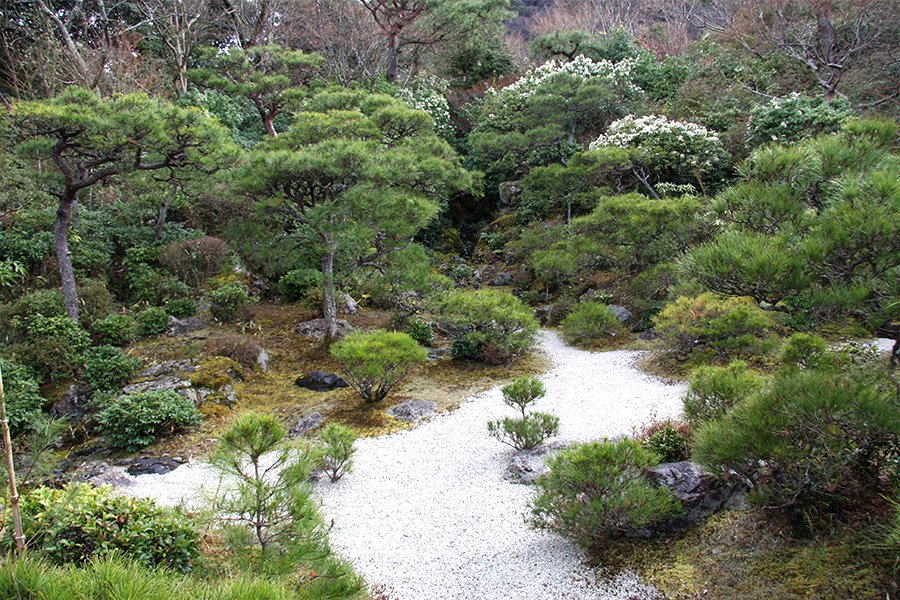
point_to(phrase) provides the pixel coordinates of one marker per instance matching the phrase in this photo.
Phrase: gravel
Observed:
(427, 515)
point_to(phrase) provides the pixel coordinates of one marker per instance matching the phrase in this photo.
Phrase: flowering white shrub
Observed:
(796, 117)
(432, 102)
(581, 66)
(665, 144)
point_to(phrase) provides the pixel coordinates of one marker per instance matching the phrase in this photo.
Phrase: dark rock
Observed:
(310, 421)
(101, 473)
(184, 326)
(147, 465)
(528, 465)
(320, 381)
(700, 492)
(622, 314)
(649, 335)
(483, 273)
(542, 314)
(316, 328)
(73, 403)
(412, 410)
(502, 278)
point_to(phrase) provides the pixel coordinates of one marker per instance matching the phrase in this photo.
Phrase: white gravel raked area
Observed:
(427, 514)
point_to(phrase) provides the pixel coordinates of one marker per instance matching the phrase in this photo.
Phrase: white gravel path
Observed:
(426, 512)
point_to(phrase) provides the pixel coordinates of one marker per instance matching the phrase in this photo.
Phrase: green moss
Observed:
(214, 373)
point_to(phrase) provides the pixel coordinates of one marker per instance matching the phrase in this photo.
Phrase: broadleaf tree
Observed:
(356, 176)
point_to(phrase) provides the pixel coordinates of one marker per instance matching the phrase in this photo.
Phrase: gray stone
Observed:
(166, 382)
(316, 328)
(701, 492)
(346, 305)
(148, 465)
(483, 273)
(184, 326)
(527, 465)
(412, 410)
(73, 402)
(502, 278)
(262, 360)
(310, 421)
(439, 353)
(320, 381)
(622, 314)
(167, 368)
(101, 473)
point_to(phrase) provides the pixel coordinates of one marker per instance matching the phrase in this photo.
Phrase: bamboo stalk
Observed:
(14, 495)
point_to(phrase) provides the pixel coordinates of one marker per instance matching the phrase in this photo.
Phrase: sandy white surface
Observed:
(427, 513)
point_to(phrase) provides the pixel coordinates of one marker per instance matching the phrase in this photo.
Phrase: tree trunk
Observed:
(329, 305)
(163, 209)
(393, 59)
(64, 256)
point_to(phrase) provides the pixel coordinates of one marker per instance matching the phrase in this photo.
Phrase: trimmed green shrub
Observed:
(180, 308)
(714, 390)
(803, 350)
(421, 331)
(295, 285)
(228, 300)
(337, 455)
(81, 522)
(526, 432)
(812, 441)
(374, 362)
(53, 347)
(720, 326)
(107, 368)
(117, 330)
(597, 491)
(133, 421)
(522, 392)
(152, 321)
(23, 396)
(670, 440)
(590, 323)
(492, 326)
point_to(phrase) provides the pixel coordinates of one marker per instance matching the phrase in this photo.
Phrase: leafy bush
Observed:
(559, 310)
(133, 421)
(795, 117)
(23, 396)
(153, 286)
(598, 490)
(421, 331)
(374, 362)
(722, 326)
(228, 300)
(107, 368)
(492, 326)
(670, 440)
(54, 345)
(589, 323)
(195, 260)
(117, 330)
(295, 285)
(180, 308)
(803, 350)
(152, 321)
(811, 441)
(714, 390)
(81, 522)
(338, 451)
(95, 302)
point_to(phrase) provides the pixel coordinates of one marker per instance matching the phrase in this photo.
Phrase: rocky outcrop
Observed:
(412, 410)
(527, 465)
(320, 381)
(73, 403)
(184, 326)
(316, 328)
(307, 423)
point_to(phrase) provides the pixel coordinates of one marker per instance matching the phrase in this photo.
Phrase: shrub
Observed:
(559, 310)
(522, 392)
(796, 117)
(708, 322)
(803, 350)
(714, 390)
(54, 345)
(117, 330)
(598, 490)
(180, 308)
(95, 302)
(154, 287)
(81, 522)
(493, 326)
(295, 285)
(225, 302)
(526, 432)
(107, 368)
(23, 396)
(338, 451)
(670, 440)
(152, 321)
(421, 331)
(811, 441)
(239, 348)
(194, 261)
(589, 323)
(133, 421)
(373, 363)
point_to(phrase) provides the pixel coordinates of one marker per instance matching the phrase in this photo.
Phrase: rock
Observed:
(167, 382)
(147, 465)
(346, 305)
(167, 368)
(439, 353)
(101, 473)
(412, 410)
(73, 402)
(310, 421)
(502, 278)
(542, 314)
(528, 465)
(183, 326)
(622, 314)
(320, 381)
(700, 492)
(483, 273)
(649, 335)
(316, 328)
(262, 360)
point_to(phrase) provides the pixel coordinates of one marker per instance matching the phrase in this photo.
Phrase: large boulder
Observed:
(184, 326)
(412, 410)
(316, 328)
(320, 381)
(622, 314)
(701, 492)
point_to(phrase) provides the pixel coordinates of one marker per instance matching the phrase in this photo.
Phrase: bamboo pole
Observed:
(14, 495)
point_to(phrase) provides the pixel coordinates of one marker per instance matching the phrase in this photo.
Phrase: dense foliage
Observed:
(374, 362)
(133, 421)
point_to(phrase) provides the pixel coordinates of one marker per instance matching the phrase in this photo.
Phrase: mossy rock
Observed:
(217, 372)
